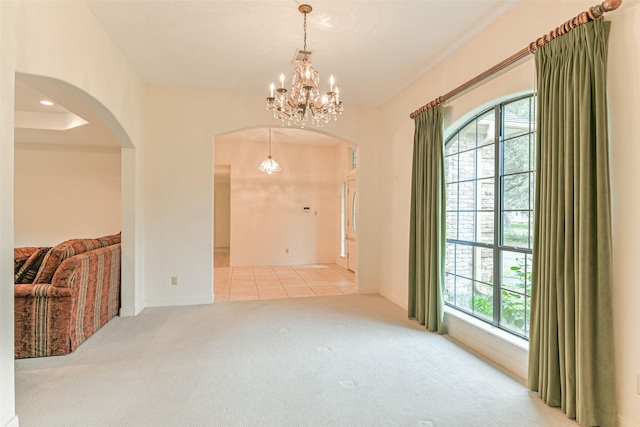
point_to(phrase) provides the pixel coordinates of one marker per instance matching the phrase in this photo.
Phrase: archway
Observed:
(288, 218)
(91, 110)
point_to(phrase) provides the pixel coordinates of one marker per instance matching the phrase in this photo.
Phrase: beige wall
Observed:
(63, 192)
(182, 125)
(267, 217)
(525, 22)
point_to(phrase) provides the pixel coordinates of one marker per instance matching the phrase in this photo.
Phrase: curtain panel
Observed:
(571, 355)
(428, 221)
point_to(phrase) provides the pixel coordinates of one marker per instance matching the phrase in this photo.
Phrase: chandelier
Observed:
(269, 165)
(305, 100)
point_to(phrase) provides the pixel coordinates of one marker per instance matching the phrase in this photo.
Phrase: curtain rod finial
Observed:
(609, 5)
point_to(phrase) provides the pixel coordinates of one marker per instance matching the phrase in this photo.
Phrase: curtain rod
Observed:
(592, 14)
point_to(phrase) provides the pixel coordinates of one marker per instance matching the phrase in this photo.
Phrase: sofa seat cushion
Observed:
(29, 269)
(60, 252)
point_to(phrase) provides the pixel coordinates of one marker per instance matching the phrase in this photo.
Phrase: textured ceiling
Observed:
(373, 48)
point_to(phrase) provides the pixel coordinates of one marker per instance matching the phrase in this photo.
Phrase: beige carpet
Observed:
(350, 360)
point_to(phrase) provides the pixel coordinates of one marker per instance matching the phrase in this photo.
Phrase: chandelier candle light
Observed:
(269, 165)
(305, 100)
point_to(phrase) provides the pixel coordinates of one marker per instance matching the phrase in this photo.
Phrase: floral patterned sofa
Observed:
(64, 294)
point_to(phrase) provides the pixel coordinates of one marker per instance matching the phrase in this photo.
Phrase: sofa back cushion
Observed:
(112, 239)
(59, 253)
(21, 255)
(28, 270)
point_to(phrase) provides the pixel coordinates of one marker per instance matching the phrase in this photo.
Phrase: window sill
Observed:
(489, 329)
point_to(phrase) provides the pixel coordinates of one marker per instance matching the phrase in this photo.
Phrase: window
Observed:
(490, 179)
(354, 158)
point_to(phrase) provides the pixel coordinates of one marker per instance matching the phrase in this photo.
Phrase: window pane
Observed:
(451, 168)
(467, 165)
(516, 271)
(483, 300)
(450, 261)
(467, 137)
(534, 114)
(449, 288)
(464, 261)
(486, 192)
(515, 229)
(467, 196)
(532, 191)
(485, 227)
(464, 294)
(532, 157)
(514, 311)
(516, 118)
(483, 265)
(353, 214)
(452, 145)
(487, 128)
(516, 155)
(452, 197)
(516, 192)
(531, 220)
(486, 161)
(452, 226)
(466, 226)
(529, 261)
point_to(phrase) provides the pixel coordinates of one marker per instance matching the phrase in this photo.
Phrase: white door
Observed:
(352, 225)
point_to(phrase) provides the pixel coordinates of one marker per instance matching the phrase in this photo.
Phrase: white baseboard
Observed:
(131, 311)
(397, 301)
(168, 302)
(367, 290)
(13, 422)
(624, 423)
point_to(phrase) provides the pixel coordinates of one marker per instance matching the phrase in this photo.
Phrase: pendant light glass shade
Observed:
(269, 165)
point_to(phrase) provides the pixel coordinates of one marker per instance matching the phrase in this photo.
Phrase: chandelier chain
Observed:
(305, 36)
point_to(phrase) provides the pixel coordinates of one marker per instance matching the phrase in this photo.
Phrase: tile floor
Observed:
(270, 282)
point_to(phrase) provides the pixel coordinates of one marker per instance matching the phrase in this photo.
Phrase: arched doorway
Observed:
(288, 218)
(91, 110)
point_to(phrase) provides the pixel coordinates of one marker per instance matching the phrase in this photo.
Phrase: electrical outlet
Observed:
(174, 280)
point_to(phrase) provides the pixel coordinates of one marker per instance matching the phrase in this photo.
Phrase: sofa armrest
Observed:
(42, 320)
(41, 290)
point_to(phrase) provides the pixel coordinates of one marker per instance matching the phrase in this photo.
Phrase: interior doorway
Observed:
(222, 216)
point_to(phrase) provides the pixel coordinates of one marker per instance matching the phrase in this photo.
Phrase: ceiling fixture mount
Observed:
(47, 103)
(269, 165)
(305, 100)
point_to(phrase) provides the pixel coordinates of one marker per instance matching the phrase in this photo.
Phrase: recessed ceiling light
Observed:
(49, 103)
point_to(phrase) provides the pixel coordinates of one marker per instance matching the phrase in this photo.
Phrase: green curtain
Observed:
(428, 216)
(571, 357)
